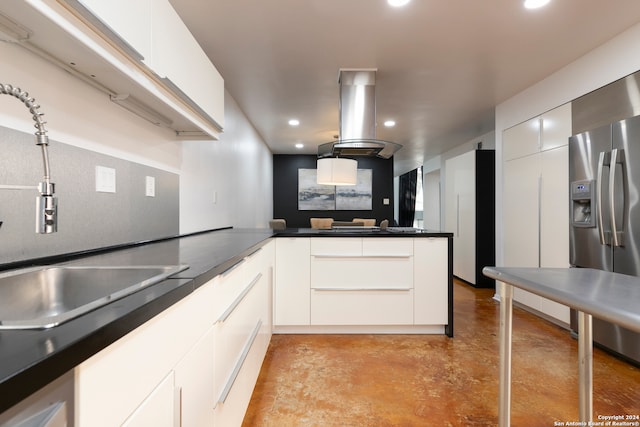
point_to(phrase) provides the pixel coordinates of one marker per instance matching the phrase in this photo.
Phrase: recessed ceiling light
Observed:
(534, 4)
(398, 3)
(299, 145)
(390, 123)
(294, 122)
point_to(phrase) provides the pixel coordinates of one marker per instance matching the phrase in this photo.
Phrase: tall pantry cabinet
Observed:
(536, 200)
(470, 214)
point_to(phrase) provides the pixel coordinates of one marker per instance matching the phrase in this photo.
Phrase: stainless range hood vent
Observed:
(358, 119)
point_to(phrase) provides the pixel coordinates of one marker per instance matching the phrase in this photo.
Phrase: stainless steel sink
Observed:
(44, 297)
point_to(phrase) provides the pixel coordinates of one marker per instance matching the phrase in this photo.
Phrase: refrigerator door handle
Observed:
(600, 225)
(616, 157)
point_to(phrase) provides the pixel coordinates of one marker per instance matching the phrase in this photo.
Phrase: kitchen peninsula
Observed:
(359, 280)
(246, 281)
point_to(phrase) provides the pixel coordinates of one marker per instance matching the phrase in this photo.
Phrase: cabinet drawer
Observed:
(236, 330)
(389, 307)
(228, 286)
(347, 246)
(362, 272)
(387, 246)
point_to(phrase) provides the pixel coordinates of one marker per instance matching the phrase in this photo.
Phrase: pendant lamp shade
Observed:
(337, 171)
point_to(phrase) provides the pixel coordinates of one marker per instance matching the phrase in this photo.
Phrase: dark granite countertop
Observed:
(361, 232)
(30, 359)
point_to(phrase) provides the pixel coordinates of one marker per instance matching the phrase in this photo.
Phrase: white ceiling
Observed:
(442, 65)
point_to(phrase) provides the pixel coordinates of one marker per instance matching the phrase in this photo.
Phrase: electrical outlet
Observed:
(150, 186)
(215, 197)
(105, 179)
(385, 201)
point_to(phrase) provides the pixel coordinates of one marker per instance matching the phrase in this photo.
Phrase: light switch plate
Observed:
(105, 179)
(150, 186)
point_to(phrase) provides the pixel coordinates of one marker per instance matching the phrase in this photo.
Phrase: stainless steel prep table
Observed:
(609, 296)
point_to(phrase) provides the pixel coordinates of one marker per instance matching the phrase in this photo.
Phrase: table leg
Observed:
(506, 320)
(585, 360)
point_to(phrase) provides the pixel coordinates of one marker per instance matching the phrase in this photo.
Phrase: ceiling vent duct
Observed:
(358, 119)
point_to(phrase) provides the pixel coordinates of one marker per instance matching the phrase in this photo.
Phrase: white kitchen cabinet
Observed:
(131, 20)
(138, 52)
(194, 383)
(159, 409)
(208, 344)
(470, 214)
(521, 140)
(431, 271)
(242, 336)
(358, 281)
(147, 354)
(292, 295)
(361, 307)
(178, 57)
(536, 204)
(362, 284)
(521, 204)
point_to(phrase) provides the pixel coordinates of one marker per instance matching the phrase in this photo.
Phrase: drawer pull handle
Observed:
(254, 252)
(233, 267)
(239, 299)
(362, 256)
(243, 356)
(362, 289)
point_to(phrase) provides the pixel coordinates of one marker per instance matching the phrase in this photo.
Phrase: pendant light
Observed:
(337, 171)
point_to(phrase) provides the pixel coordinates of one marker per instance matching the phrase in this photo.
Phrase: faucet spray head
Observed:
(46, 214)
(46, 209)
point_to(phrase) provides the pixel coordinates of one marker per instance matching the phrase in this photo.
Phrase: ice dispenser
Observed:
(582, 201)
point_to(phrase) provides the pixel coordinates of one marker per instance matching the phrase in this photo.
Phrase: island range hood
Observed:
(358, 119)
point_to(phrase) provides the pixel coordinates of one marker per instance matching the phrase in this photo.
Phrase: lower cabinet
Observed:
(431, 272)
(111, 385)
(362, 284)
(362, 281)
(292, 275)
(158, 409)
(195, 364)
(243, 332)
(194, 383)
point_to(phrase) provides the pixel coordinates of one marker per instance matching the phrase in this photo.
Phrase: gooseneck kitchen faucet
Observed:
(46, 203)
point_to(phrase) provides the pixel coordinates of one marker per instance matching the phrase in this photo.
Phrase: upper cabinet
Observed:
(137, 51)
(131, 20)
(545, 132)
(177, 56)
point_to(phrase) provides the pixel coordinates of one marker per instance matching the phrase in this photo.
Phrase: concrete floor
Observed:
(418, 380)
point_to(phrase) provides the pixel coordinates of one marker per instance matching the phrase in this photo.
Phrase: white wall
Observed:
(613, 60)
(236, 171)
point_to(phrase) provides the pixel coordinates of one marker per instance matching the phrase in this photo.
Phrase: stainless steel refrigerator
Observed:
(604, 176)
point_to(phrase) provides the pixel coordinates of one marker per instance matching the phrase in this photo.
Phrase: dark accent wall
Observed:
(285, 190)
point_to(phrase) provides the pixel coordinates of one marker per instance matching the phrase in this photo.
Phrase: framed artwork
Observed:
(356, 197)
(313, 196)
(317, 197)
